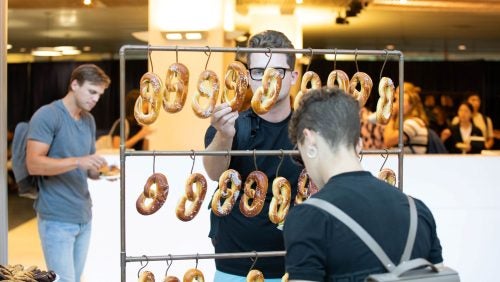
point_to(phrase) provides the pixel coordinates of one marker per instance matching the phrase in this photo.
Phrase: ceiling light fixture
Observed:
(87, 2)
(45, 52)
(184, 35)
(462, 47)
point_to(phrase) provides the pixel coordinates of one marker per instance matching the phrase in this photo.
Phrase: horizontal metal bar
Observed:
(209, 50)
(207, 256)
(243, 153)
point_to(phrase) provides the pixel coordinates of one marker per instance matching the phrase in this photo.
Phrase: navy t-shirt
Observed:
(321, 248)
(238, 233)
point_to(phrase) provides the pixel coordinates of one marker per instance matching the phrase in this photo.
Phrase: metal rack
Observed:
(123, 153)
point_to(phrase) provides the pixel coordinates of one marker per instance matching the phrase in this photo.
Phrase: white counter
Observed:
(463, 192)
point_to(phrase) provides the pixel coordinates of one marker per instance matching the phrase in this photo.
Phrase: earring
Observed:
(312, 152)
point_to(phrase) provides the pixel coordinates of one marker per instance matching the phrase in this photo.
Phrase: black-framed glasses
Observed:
(258, 73)
(297, 159)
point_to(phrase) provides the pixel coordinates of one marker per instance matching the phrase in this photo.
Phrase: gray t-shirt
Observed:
(64, 197)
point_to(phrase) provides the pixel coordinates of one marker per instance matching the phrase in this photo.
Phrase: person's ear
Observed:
(295, 76)
(309, 136)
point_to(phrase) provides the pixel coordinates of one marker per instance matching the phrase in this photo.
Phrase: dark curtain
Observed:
(32, 85)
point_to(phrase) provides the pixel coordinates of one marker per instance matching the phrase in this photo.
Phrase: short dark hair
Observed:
(90, 73)
(271, 39)
(330, 112)
(468, 105)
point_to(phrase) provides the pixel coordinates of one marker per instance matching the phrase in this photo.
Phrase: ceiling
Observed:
(420, 28)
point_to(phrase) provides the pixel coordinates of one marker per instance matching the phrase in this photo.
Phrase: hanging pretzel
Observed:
(339, 77)
(195, 197)
(388, 175)
(154, 195)
(147, 105)
(171, 279)
(208, 87)
(305, 187)
(280, 202)
(235, 82)
(385, 101)
(176, 84)
(366, 84)
(267, 94)
(255, 275)
(309, 76)
(147, 276)
(229, 195)
(257, 195)
(193, 275)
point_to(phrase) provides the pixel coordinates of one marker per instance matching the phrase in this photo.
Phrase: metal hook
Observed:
(150, 59)
(356, 59)
(254, 261)
(310, 59)
(281, 161)
(193, 157)
(385, 61)
(196, 266)
(169, 264)
(237, 52)
(335, 59)
(142, 266)
(270, 56)
(176, 54)
(154, 161)
(361, 156)
(385, 158)
(209, 54)
(255, 159)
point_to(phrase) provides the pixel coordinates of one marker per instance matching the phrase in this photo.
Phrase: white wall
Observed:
(461, 191)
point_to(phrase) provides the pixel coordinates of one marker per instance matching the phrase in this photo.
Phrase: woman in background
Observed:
(414, 122)
(136, 133)
(463, 137)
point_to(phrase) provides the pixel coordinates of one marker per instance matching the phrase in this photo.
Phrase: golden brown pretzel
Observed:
(385, 101)
(154, 195)
(147, 276)
(366, 84)
(341, 78)
(195, 197)
(147, 105)
(192, 275)
(305, 187)
(236, 82)
(388, 175)
(171, 279)
(257, 195)
(176, 83)
(309, 76)
(255, 275)
(267, 94)
(208, 87)
(281, 198)
(230, 195)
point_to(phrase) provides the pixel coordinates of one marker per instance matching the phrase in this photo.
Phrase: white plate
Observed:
(110, 177)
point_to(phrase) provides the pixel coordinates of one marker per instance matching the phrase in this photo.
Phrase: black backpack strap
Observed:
(247, 125)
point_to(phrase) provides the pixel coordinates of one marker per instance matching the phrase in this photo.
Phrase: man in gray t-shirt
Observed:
(61, 149)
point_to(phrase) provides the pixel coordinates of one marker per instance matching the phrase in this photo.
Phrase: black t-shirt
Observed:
(238, 233)
(321, 248)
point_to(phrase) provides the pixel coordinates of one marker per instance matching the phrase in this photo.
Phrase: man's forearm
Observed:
(216, 165)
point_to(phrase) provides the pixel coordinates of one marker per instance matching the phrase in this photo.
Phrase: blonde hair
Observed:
(417, 108)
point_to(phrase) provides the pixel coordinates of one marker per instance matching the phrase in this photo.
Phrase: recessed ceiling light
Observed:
(462, 47)
(45, 52)
(86, 48)
(9, 46)
(87, 2)
(193, 35)
(390, 47)
(173, 36)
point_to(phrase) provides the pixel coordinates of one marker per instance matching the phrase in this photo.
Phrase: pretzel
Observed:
(154, 194)
(257, 195)
(193, 274)
(388, 175)
(309, 76)
(385, 101)
(195, 197)
(341, 78)
(281, 198)
(176, 83)
(171, 279)
(147, 105)
(235, 82)
(255, 275)
(208, 87)
(366, 87)
(147, 276)
(305, 187)
(267, 94)
(230, 195)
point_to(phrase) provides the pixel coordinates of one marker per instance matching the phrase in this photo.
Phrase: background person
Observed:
(61, 149)
(235, 232)
(320, 248)
(459, 138)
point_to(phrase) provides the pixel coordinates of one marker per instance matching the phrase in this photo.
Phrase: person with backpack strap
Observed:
(247, 130)
(61, 150)
(318, 246)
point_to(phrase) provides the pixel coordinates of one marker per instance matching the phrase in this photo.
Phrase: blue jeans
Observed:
(65, 247)
(226, 277)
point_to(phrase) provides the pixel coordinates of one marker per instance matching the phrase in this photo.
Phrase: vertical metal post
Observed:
(4, 226)
(400, 140)
(123, 253)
